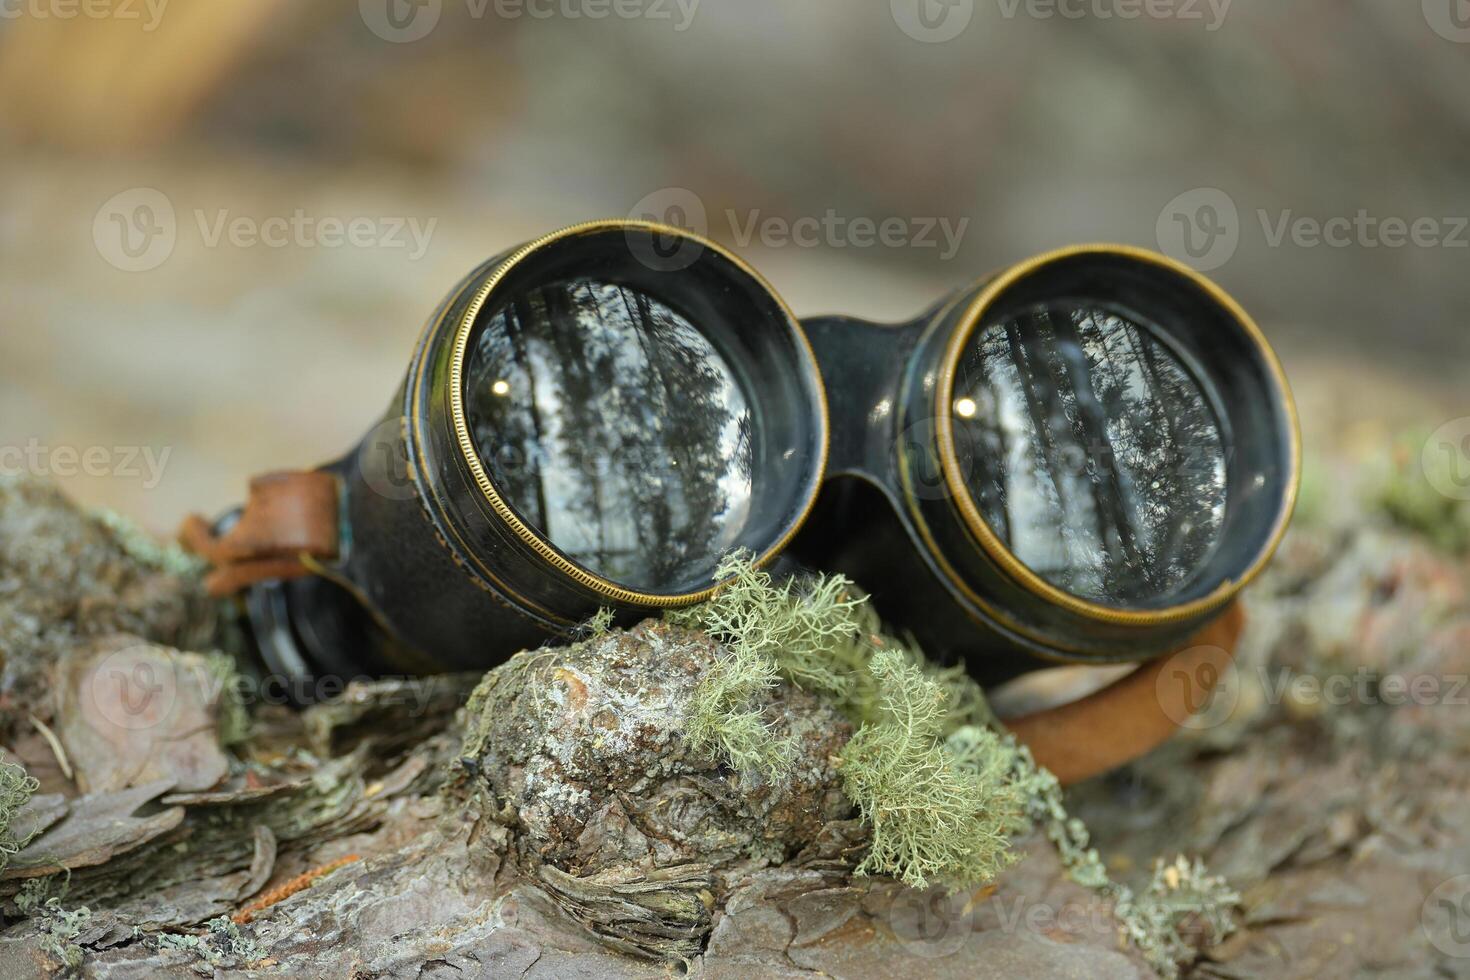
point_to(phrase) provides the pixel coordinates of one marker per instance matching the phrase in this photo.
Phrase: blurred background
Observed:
(222, 223)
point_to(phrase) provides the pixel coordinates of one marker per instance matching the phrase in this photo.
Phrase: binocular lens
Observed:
(1118, 439)
(642, 417)
(1094, 454)
(614, 426)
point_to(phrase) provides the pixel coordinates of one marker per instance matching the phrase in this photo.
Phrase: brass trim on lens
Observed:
(420, 467)
(547, 551)
(1047, 647)
(996, 549)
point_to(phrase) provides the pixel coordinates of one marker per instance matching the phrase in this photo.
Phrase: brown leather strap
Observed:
(1136, 713)
(288, 517)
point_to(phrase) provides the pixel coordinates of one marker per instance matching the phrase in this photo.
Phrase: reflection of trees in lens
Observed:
(634, 438)
(1095, 455)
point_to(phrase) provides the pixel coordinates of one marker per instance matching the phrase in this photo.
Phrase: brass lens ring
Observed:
(996, 549)
(530, 536)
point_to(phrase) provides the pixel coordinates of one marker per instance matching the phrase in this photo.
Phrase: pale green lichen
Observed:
(1410, 494)
(768, 632)
(35, 892)
(820, 633)
(1182, 900)
(1182, 897)
(937, 813)
(939, 809)
(940, 789)
(222, 945)
(805, 628)
(40, 898)
(59, 929)
(16, 789)
(598, 626)
(147, 550)
(725, 713)
(233, 725)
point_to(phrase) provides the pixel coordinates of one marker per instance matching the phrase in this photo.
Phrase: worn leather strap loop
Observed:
(287, 517)
(1135, 713)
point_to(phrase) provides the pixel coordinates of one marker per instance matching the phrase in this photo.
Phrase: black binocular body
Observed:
(1082, 458)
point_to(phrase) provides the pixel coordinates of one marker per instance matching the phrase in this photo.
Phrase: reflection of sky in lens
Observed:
(1091, 452)
(615, 428)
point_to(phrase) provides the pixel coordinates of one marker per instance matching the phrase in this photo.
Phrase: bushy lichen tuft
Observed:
(1183, 908)
(16, 790)
(147, 550)
(598, 625)
(938, 809)
(802, 632)
(1409, 495)
(724, 713)
(817, 631)
(806, 628)
(941, 790)
(1182, 898)
(59, 930)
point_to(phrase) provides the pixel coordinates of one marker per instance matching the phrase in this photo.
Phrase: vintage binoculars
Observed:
(1083, 457)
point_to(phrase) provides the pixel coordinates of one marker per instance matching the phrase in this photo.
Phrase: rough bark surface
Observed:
(558, 826)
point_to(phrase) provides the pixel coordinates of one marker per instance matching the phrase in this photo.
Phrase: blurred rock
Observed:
(67, 577)
(130, 712)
